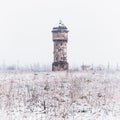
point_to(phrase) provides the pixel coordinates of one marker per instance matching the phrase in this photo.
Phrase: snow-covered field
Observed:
(60, 96)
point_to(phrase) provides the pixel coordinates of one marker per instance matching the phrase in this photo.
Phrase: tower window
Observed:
(59, 49)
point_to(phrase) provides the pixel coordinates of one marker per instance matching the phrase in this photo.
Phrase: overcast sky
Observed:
(25, 30)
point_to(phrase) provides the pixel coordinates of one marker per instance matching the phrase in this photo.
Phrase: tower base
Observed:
(60, 66)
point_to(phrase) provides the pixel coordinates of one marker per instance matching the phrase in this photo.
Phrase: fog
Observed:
(25, 30)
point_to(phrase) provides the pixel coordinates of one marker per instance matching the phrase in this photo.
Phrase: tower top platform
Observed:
(60, 28)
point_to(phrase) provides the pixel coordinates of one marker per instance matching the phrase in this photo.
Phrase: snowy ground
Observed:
(60, 96)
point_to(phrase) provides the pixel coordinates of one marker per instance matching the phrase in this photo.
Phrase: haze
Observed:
(25, 30)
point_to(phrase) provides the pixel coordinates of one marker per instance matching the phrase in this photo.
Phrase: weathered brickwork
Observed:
(60, 39)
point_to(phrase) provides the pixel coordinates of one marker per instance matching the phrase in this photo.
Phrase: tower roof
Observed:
(60, 28)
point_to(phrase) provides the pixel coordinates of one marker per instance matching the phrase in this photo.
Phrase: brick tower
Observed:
(60, 39)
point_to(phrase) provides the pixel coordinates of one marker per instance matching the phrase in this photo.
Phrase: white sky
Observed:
(25, 30)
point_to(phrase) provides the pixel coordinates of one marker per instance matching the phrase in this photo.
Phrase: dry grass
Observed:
(60, 96)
